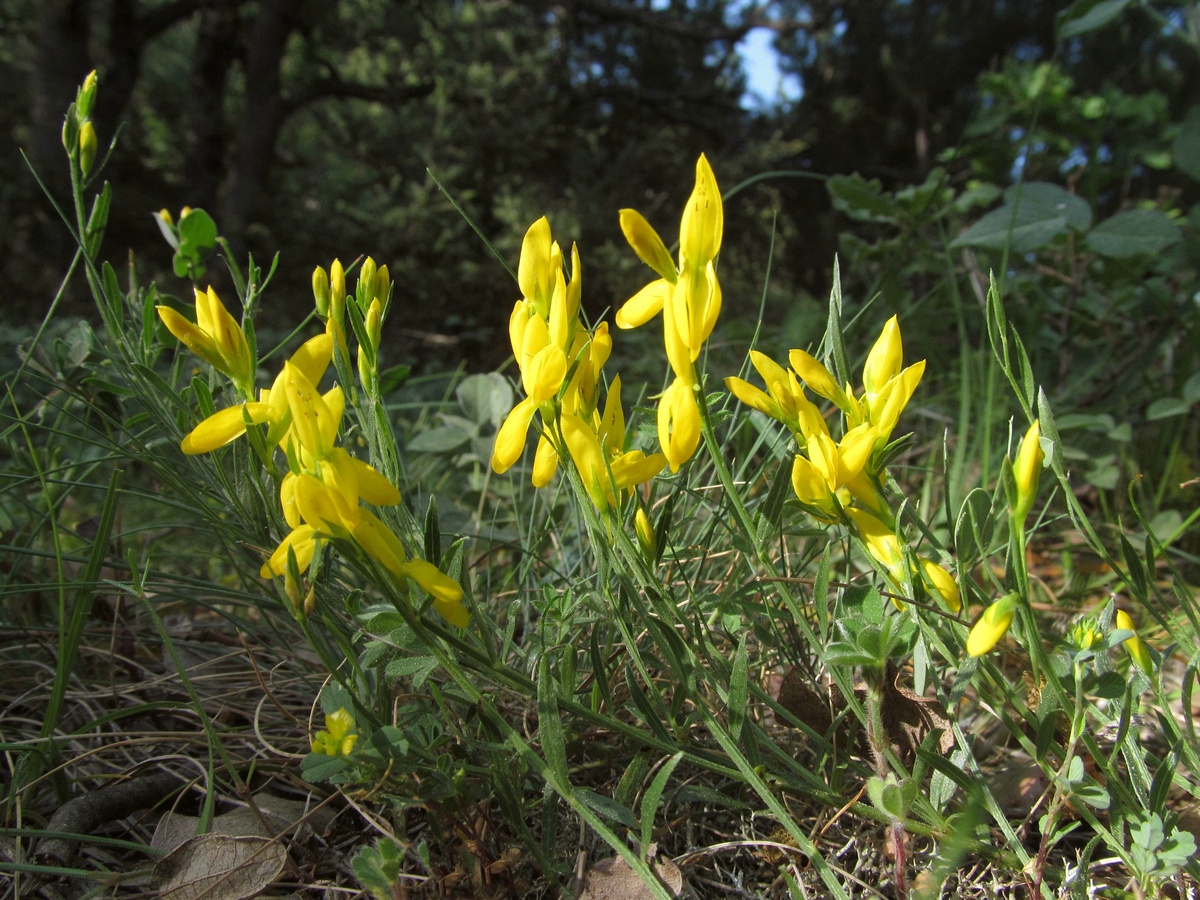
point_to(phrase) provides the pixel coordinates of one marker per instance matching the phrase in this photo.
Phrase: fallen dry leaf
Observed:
(907, 718)
(218, 867)
(613, 879)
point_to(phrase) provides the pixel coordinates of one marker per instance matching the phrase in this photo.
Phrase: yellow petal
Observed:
(217, 430)
(1135, 646)
(647, 244)
(545, 462)
(703, 223)
(312, 420)
(313, 357)
(883, 362)
(644, 305)
(753, 397)
(373, 486)
(379, 543)
(191, 337)
(678, 423)
(1027, 468)
(510, 439)
(436, 582)
(588, 457)
(303, 543)
(544, 375)
(533, 271)
(635, 467)
(815, 375)
(612, 423)
(881, 542)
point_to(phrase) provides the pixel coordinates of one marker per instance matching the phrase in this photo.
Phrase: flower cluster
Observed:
(689, 298)
(844, 480)
(561, 363)
(337, 739)
(322, 492)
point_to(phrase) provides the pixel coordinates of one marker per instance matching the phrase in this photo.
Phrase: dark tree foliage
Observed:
(311, 128)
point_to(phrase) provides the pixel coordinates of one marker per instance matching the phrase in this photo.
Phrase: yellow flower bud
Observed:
(86, 97)
(320, 286)
(940, 583)
(1134, 646)
(645, 535)
(1026, 469)
(165, 215)
(87, 147)
(992, 625)
(337, 291)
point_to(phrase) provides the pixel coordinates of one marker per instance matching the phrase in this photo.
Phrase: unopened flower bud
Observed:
(337, 291)
(320, 286)
(87, 147)
(645, 535)
(86, 98)
(366, 284)
(1134, 646)
(165, 215)
(1026, 469)
(383, 284)
(992, 625)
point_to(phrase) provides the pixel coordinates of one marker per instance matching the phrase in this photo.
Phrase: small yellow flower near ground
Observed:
(1027, 467)
(337, 739)
(992, 625)
(1134, 646)
(940, 583)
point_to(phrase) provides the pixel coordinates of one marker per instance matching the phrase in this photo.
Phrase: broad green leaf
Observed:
(1054, 199)
(1186, 148)
(1137, 232)
(1024, 228)
(861, 199)
(1167, 407)
(485, 398)
(442, 439)
(197, 232)
(1088, 15)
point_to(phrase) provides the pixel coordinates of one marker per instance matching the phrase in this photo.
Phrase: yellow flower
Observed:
(784, 400)
(337, 739)
(940, 583)
(227, 425)
(1134, 646)
(547, 338)
(1026, 469)
(215, 337)
(595, 456)
(992, 625)
(692, 290)
(689, 298)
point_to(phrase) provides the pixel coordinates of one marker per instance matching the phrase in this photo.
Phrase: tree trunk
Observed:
(204, 129)
(262, 116)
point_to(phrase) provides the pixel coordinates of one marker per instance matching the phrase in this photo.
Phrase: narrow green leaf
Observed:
(739, 690)
(652, 798)
(433, 533)
(550, 728)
